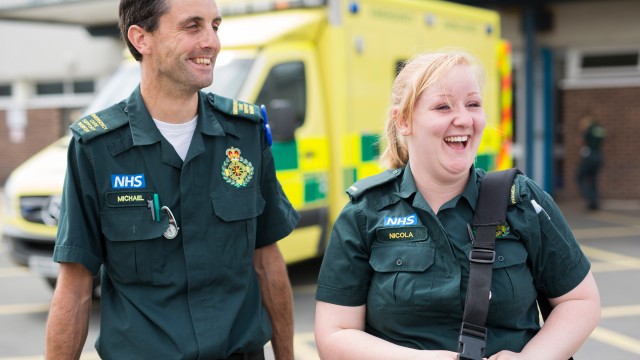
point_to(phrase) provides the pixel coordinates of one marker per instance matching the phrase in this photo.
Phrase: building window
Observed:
(62, 88)
(51, 88)
(610, 60)
(5, 90)
(83, 87)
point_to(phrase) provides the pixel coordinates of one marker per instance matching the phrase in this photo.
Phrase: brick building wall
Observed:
(44, 126)
(615, 109)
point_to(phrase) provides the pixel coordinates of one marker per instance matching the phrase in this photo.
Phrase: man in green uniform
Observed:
(591, 161)
(173, 193)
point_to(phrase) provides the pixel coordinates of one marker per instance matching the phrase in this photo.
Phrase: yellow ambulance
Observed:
(324, 70)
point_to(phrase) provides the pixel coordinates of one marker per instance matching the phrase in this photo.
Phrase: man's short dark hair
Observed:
(144, 13)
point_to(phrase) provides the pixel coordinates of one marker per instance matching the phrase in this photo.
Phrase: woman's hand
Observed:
(507, 355)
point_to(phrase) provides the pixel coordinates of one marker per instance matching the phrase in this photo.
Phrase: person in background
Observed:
(393, 281)
(173, 193)
(591, 160)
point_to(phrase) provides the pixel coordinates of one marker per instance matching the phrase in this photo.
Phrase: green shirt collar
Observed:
(470, 193)
(144, 131)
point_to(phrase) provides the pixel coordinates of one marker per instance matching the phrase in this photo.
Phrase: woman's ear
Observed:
(402, 126)
(139, 38)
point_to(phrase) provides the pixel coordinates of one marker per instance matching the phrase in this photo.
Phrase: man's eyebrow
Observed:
(199, 19)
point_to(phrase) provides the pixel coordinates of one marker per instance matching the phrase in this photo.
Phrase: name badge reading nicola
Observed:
(403, 233)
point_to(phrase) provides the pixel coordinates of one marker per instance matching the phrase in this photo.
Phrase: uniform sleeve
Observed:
(345, 273)
(279, 217)
(78, 238)
(557, 263)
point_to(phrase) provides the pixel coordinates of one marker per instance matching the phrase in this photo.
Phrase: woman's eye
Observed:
(442, 107)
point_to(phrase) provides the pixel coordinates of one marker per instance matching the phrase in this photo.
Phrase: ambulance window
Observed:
(286, 82)
(399, 65)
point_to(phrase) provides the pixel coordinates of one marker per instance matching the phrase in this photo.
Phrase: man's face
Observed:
(184, 47)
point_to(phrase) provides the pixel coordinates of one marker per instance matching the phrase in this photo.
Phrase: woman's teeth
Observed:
(456, 138)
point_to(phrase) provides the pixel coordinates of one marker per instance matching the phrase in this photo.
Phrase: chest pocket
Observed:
(137, 252)
(402, 281)
(512, 287)
(237, 217)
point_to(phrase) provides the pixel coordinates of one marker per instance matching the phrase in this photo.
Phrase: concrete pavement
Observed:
(610, 238)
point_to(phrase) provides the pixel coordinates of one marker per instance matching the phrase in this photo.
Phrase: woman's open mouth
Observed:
(457, 142)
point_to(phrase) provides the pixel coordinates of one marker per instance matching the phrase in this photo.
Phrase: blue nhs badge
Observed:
(401, 220)
(122, 181)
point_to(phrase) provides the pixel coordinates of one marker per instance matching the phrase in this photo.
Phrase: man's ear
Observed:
(403, 127)
(139, 37)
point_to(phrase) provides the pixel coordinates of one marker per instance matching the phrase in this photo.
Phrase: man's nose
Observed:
(209, 39)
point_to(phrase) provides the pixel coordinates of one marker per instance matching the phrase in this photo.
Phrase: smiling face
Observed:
(181, 52)
(447, 125)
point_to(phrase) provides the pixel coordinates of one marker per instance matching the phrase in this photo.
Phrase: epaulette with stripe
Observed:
(235, 107)
(102, 122)
(360, 187)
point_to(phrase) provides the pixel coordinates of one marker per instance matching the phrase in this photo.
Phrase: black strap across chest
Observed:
(491, 211)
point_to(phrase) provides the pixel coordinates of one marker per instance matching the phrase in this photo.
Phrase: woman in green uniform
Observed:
(394, 277)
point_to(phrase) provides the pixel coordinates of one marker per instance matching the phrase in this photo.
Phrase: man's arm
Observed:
(68, 321)
(276, 297)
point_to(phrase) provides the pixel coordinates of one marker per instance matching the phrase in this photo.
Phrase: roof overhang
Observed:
(88, 13)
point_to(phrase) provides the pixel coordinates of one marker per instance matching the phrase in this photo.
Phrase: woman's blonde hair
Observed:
(418, 74)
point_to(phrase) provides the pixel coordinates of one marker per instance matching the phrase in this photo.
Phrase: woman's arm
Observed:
(574, 316)
(339, 332)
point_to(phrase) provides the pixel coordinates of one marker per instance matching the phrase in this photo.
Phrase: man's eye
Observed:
(215, 28)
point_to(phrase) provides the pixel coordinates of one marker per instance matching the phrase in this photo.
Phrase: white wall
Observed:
(34, 51)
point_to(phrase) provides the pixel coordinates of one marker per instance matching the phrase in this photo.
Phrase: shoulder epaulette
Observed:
(360, 187)
(102, 122)
(235, 107)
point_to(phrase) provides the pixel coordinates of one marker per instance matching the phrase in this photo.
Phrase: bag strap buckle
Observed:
(472, 342)
(482, 256)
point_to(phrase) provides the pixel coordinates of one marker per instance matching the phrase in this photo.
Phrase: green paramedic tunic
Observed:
(390, 251)
(195, 296)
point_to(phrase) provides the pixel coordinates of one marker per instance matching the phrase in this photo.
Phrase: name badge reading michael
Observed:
(129, 198)
(403, 233)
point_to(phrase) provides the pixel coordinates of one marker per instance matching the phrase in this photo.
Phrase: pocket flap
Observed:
(131, 225)
(509, 253)
(238, 205)
(402, 257)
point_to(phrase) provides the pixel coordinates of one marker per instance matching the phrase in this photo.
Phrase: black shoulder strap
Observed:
(491, 210)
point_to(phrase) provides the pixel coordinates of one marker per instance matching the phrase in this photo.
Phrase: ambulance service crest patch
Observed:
(236, 170)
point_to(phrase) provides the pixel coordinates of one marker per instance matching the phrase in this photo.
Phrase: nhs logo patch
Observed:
(401, 220)
(121, 181)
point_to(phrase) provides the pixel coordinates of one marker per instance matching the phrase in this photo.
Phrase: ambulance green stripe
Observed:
(370, 147)
(285, 155)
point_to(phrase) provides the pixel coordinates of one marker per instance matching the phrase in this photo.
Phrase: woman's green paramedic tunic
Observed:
(409, 266)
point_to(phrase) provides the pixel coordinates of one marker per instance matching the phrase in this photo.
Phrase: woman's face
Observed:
(448, 122)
